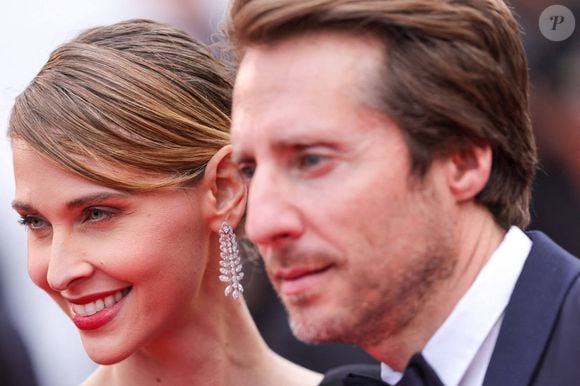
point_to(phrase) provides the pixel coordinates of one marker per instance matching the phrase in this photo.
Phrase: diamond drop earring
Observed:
(230, 262)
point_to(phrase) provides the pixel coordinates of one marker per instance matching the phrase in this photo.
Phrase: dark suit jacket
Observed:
(539, 340)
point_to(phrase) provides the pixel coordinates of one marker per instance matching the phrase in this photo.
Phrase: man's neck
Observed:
(477, 237)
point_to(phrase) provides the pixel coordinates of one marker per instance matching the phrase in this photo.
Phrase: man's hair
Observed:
(454, 76)
(136, 96)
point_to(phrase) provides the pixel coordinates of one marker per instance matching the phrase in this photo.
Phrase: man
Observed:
(390, 156)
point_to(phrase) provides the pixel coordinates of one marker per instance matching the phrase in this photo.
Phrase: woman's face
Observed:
(124, 266)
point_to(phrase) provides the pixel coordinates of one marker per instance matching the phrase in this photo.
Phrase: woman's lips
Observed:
(298, 281)
(96, 310)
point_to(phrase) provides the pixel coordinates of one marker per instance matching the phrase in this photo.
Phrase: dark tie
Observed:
(417, 373)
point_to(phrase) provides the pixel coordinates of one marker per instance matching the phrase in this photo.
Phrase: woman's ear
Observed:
(469, 171)
(226, 190)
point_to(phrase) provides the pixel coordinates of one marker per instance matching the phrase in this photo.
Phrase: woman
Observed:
(124, 181)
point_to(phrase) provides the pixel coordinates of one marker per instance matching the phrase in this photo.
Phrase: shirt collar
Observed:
(454, 345)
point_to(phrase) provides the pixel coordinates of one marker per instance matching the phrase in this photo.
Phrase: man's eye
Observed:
(313, 164)
(310, 160)
(247, 170)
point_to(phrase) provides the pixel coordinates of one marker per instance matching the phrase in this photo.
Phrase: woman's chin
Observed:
(104, 356)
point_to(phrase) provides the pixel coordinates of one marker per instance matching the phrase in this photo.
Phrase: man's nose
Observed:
(273, 215)
(68, 262)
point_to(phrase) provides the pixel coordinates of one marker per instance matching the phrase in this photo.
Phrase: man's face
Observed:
(352, 242)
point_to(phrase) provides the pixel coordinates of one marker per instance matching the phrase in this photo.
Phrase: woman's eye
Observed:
(32, 222)
(96, 214)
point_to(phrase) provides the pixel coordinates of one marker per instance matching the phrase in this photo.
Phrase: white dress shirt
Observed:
(460, 350)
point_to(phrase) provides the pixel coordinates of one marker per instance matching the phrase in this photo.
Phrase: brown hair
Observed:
(454, 75)
(136, 96)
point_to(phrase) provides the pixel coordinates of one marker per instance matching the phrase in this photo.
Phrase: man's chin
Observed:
(314, 329)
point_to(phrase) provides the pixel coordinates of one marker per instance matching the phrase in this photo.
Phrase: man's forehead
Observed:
(292, 92)
(315, 53)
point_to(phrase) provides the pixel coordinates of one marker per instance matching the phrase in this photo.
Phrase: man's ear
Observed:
(469, 171)
(226, 190)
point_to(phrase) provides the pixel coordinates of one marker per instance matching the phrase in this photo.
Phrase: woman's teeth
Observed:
(92, 308)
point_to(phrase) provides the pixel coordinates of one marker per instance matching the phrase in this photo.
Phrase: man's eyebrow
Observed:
(77, 202)
(239, 156)
(293, 140)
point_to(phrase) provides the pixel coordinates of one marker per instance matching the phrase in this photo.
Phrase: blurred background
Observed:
(33, 330)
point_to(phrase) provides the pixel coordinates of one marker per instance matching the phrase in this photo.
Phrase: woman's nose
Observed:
(68, 262)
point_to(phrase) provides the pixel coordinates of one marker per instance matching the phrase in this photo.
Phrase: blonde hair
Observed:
(138, 97)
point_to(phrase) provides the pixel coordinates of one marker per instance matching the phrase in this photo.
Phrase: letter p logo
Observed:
(557, 23)
(557, 20)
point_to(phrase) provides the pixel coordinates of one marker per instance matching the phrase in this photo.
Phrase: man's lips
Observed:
(298, 280)
(298, 272)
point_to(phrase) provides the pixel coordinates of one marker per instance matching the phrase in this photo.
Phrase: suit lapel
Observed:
(531, 313)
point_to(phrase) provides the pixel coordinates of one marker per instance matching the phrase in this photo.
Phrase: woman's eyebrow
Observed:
(94, 197)
(23, 206)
